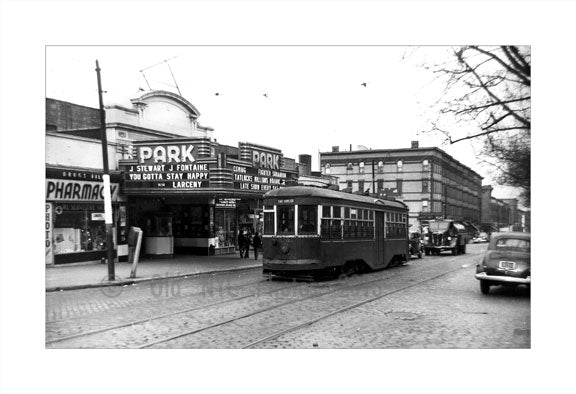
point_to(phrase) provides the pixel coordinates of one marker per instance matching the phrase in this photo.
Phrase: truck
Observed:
(445, 235)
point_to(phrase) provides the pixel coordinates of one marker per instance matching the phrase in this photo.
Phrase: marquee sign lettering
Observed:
(166, 154)
(70, 190)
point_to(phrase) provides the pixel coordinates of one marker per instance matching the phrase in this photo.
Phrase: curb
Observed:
(143, 280)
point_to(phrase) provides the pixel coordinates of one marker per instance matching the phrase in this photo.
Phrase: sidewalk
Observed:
(64, 277)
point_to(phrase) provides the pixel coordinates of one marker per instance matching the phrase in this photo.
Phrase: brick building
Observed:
(431, 182)
(502, 214)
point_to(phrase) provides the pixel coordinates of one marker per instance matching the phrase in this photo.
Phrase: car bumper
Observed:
(505, 279)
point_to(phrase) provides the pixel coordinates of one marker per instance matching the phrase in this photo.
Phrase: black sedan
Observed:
(506, 262)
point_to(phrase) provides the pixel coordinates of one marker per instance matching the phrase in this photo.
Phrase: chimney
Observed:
(414, 144)
(335, 149)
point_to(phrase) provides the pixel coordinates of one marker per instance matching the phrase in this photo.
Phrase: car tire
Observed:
(484, 287)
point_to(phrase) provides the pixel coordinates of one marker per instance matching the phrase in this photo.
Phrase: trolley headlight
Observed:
(285, 248)
(449, 238)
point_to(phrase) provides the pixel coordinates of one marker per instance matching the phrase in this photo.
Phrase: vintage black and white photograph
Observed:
(227, 207)
(288, 197)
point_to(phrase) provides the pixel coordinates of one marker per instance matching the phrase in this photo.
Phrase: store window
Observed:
(79, 228)
(307, 219)
(286, 219)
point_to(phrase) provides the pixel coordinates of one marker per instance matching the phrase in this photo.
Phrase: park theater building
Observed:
(170, 177)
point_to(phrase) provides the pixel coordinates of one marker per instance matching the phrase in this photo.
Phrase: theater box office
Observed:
(193, 196)
(74, 213)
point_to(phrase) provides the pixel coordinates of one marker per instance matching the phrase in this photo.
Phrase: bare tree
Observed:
(488, 89)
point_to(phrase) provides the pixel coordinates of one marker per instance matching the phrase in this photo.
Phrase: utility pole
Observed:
(106, 180)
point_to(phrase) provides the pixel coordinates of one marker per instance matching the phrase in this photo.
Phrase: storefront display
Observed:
(76, 214)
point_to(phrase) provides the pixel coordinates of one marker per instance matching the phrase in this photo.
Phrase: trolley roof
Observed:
(308, 191)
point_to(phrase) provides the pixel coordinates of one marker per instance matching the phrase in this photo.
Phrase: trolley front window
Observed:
(285, 219)
(307, 221)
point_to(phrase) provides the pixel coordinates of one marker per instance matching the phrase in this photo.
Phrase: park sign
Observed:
(180, 165)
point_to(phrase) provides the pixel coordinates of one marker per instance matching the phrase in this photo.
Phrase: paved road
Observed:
(434, 302)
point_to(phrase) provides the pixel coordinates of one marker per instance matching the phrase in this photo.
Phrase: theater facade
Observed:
(194, 195)
(169, 175)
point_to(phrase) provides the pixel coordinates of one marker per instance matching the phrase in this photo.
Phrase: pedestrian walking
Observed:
(257, 242)
(247, 243)
(241, 243)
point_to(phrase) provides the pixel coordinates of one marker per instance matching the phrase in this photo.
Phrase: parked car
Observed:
(480, 238)
(506, 261)
(415, 244)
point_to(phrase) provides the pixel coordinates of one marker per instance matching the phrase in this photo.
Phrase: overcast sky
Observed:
(315, 94)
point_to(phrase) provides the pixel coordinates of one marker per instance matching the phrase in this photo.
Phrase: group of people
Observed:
(245, 240)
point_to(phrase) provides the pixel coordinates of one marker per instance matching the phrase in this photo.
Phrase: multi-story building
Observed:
(502, 214)
(169, 176)
(431, 182)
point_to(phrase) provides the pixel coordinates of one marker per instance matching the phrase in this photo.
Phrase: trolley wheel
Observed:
(484, 287)
(349, 268)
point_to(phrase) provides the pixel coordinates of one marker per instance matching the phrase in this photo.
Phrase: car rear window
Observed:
(513, 243)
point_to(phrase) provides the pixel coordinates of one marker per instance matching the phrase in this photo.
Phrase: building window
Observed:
(380, 185)
(327, 168)
(349, 167)
(399, 186)
(425, 206)
(399, 165)
(361, 186)
(361, 166)
(349, 185)
(425, 186)
(380, 166)
(425, 165)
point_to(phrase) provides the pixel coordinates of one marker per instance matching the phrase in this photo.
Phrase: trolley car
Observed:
(313, 232)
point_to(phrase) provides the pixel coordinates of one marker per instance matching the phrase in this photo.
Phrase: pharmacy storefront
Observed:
(74, 214)
(192, 196)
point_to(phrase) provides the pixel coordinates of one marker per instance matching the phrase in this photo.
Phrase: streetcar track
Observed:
(142, 301)
(335, 285)
(141, 321)
(197, 330)
(341, 310)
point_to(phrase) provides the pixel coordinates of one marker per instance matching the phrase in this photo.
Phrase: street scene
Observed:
(428, 303)
(166, 228)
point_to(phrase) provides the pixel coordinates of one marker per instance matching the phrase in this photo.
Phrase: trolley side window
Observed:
(269, 223)
(331, 227)
(307, 219)
(285, 219)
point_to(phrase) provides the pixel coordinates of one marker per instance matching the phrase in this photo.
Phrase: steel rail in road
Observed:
(197, 330)
(162, 279)
(192, 332)
(341, 310)
(178, 312)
